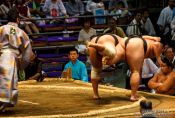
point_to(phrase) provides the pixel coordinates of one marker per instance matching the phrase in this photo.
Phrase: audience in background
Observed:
(149, 69)
(134, 28)
(4, 8)
(173, 31)
(169, 52)
(113, 29)
(85, 35)
(92, 5)
(164, 22)
(34, 70)
(119, 10)
(36, 10)
(24, 12)
(164, 81)
(87, 31)
(54, 8)
(148, 28)
(75, 8)
(79, 71)
(113, 4)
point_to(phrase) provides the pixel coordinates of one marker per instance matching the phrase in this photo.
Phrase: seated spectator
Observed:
(148, 28)
(24, 12)
(75, 8)
(113, 29)
(173, 30)
(113, 4)
(164, 81)
(79, 71)
(164, 22)
(119, 10)
(86, 32)
(149, 69)
(134, 27)
(97, 8)
(4, 8)
(92, 5)
(36, 11)
(54, 8)
(85, 35)
(170, 54)
(34, 70)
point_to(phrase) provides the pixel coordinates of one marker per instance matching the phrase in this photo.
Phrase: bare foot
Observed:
(96, 97)
(134, 98)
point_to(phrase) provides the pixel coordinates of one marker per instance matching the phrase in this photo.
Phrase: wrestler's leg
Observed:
(96, 61)
(135, 58)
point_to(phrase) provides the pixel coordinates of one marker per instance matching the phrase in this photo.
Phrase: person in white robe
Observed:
(16, 53)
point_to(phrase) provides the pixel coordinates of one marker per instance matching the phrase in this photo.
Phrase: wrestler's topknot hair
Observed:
(13, 14)
(144, 104)
(167, 61)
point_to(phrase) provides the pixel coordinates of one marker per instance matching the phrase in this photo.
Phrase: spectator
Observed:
(113, 29)
(170, 54)
(24, 11)
(173, 31)
(4, 8)
(34, 70)
(79, 71)
(148, 28)
(85, 35)
(87, 31)
(149, 69)
(119, 10)
(134, 27)
(36, 10)
(164, 81)
(113, 4)
(75, 8)
(164, 22)
(92, 5)
(54, 8)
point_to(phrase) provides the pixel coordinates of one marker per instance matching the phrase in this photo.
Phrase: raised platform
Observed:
(58, 98)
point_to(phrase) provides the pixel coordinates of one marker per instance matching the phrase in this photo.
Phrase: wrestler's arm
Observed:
(153, 82)
(167, 84)
(157, 51)
(151, 38)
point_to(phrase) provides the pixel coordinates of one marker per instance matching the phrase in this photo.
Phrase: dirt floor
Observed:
(55, 98)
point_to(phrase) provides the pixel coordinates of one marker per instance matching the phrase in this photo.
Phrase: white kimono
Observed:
(16, 48)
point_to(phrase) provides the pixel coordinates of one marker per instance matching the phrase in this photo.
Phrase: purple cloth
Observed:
(51, 55)
(57, 39)
(50, 25)
(54, 74)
